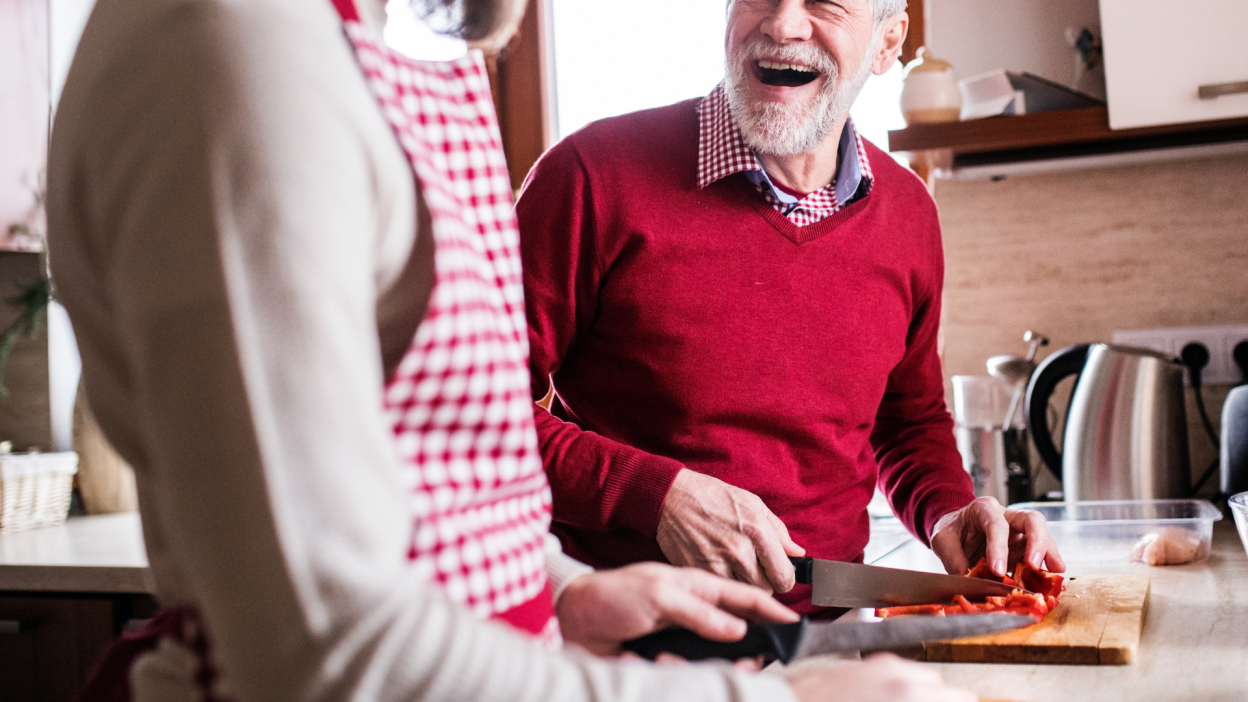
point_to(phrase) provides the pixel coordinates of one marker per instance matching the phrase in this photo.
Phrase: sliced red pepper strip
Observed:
(885, 612)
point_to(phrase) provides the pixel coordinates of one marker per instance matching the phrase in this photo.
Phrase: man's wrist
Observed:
(674, 498)
(943, 522)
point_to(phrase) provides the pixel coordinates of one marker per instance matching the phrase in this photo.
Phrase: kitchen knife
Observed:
(788, 642)
(837, 584)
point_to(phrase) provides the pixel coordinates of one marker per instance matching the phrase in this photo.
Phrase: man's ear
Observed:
(892, 37)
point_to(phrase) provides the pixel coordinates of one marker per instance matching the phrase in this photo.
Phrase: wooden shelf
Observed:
(1057, 134)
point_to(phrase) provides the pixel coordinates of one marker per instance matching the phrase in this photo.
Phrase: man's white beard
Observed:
(779, 128)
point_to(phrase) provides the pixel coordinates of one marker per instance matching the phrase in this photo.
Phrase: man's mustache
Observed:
(804, 54)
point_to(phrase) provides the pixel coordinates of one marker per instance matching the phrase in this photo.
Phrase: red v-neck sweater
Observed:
(701, 329)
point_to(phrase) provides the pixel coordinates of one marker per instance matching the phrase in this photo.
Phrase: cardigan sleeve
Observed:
(598, 483)
(920, 468)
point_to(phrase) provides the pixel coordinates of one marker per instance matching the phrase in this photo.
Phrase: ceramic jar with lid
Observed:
(930, 91)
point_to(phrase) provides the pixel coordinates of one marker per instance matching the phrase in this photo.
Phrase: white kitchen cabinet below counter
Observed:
(95, 554)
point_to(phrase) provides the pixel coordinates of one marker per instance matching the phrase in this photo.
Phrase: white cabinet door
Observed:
(1162, 55)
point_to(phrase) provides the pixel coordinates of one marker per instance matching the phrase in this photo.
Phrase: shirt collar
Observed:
(722, 152)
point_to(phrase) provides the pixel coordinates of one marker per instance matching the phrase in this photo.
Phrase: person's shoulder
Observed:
(639, 137)
(204, 41)
(894, 179)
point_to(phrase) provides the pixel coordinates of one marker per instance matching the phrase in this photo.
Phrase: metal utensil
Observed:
(1016, 371)
(838, 584)
(788, 642)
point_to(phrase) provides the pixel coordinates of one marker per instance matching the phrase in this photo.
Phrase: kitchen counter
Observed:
(95, 554)
(1194, 644)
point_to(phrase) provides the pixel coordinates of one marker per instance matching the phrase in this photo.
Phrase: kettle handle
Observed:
(1059, 365)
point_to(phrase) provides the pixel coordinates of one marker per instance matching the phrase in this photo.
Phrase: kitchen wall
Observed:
(1019, 35)
(1079, 254)
(24, 88)
(37, 39)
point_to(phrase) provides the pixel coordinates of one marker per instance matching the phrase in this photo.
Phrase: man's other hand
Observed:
(880, 678)
(600, 610)
(709, 524)
(1004, 536)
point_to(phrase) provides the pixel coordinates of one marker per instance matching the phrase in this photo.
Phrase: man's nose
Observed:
(788, 22)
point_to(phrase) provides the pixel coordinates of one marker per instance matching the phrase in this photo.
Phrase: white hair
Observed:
(887, 8)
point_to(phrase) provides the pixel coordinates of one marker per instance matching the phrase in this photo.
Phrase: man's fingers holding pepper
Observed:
(1003, 534)
(989, 516)
(1040, 551)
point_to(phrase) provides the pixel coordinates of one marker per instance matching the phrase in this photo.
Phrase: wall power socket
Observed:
(1220, 341)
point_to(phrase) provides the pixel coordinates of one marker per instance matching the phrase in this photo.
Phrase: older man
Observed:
(737, 300)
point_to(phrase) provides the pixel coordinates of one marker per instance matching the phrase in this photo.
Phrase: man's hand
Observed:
(600, 610)
(709, 524)
(985, 528)
(880, 678)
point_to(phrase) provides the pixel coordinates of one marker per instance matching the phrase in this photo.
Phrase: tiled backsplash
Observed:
(1080, 254)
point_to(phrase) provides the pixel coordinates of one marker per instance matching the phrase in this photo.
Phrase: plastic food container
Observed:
(1117, 531)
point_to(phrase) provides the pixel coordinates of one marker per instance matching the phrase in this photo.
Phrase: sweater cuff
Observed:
(637, 485)
(764, 687)
(561, 569)
(937, 505)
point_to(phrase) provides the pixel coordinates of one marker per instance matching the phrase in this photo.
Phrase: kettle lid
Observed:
(1141, 351)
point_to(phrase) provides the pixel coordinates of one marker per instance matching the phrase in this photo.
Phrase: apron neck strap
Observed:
(346, 9)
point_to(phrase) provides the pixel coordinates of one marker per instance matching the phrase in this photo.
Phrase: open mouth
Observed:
(786, 75)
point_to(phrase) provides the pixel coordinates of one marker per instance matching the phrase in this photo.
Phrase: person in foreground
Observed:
(302, 324)
(734, 303)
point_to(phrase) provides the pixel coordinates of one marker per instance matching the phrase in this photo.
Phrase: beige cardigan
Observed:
(231, 225)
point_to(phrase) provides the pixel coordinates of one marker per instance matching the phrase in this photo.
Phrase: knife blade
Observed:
(838, 584)
(789, 642)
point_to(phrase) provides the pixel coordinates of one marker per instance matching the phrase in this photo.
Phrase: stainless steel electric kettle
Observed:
(1126, 429)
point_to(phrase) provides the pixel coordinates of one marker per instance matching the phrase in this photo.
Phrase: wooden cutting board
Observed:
(1098, 622)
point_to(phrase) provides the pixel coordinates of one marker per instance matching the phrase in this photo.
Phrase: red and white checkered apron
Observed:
(459, 401)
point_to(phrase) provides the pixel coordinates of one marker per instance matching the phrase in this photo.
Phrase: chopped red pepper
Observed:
(1047, 588)
(965, 605)
(982, 571)
(886, 612)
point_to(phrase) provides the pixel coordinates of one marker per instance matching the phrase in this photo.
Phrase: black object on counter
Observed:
(1018, 487)
(1235, 442)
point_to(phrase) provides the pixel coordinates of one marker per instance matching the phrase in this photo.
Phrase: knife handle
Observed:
(805, 567)
(777, 641)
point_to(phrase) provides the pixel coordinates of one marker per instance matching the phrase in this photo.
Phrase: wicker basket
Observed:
(35, 489)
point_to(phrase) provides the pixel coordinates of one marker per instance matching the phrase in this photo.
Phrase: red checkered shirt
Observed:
(722, 152)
